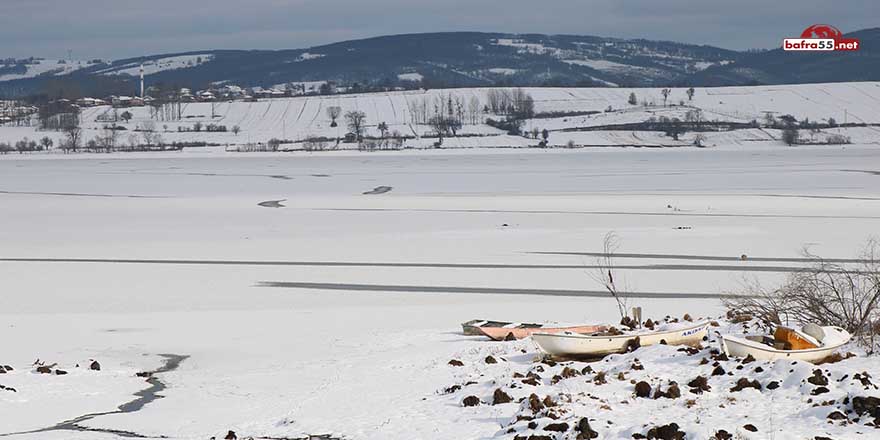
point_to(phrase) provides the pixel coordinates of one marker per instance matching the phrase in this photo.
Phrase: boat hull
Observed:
(573, 345)
(742, 347)
(501, 333)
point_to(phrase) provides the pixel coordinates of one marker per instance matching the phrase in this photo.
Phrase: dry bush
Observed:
(313, 143)
(826, 293)
(606, 272)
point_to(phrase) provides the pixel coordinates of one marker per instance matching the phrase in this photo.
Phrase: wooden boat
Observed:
(507, 334)
(764, 347)
(579, 345)
(501, 330)
(472, 327)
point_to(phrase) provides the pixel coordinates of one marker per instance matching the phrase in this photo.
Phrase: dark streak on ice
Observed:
(480, 290)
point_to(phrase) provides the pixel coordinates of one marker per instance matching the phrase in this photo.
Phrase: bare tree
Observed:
(606, 273)
(356, 121)
(690, 93)
(665, 93)
(474, 110)
(236, 129)
(73, 134)
(46, 142)
(824, 293)
(148, 133)
(107, 140)
(333, 113)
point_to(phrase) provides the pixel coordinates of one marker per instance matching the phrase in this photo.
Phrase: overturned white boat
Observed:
(815, 345)
(580, 345)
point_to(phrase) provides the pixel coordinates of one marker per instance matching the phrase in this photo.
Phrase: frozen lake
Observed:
(334, 311)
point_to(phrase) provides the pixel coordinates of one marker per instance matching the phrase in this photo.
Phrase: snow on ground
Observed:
(159, 65)
(46, 67)
(338, 311)
(302, 117)
(412, 76)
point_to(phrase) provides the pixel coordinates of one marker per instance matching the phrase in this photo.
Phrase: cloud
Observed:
(121, 28)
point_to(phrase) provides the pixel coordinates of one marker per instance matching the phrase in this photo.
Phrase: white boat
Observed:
(581, 345)
(756, 345)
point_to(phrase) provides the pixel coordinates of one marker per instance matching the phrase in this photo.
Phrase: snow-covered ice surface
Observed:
(338, 311)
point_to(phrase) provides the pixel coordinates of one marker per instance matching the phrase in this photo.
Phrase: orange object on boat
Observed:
(792, 339)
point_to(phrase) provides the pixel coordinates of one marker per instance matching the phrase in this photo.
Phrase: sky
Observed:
(113, 29)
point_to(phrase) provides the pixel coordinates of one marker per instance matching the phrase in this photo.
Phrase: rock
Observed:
(637, 366)
(633, 344)
(720, 357)
(451, 389)
(42, 369)
(231, 436)
(587, 370)
(7, 367)
(836, 415)
(144, 374)
(584, 431)
(471, 401)
(722, 435)
(10, 389)
(501, 397)
(490, 360)
(666, 432)
(758, 369)
(673, 392)
(621, 376)
(699, 385)
(628, 322)
(870, 405)
(819, 390)
(548, 402)
(687, 317)
(749, 359)
(530, 381)
(510, 337)
(568, 373)
(773, 385)
(60, 372)
(818, 378)
(744, 383)
(535, 403)
(718, 371)
(750, 428)
(95, 366)
(557, 427)
(600, 379)
(643, 389)
(456, 363)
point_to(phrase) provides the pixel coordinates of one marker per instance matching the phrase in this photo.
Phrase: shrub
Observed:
(824, 293)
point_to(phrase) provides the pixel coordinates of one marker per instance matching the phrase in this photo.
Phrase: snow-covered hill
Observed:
(303, 117)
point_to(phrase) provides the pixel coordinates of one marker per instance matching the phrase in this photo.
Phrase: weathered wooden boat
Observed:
(508, 334)
(502, 330)
(595, 345)
(765, 347)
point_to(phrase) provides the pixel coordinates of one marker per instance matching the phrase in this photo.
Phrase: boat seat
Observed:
(791, 339)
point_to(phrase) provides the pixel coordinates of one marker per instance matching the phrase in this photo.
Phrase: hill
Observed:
(456, 59)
